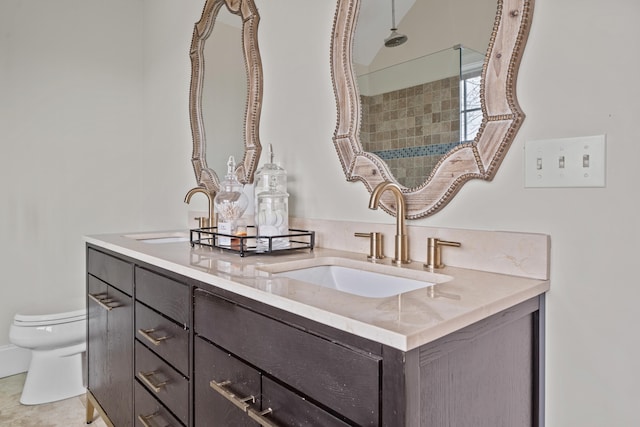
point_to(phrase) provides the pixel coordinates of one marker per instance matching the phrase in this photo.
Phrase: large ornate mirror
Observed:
(423, 129)
(226, 91)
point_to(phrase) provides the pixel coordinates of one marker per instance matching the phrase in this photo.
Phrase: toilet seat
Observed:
(49, 319)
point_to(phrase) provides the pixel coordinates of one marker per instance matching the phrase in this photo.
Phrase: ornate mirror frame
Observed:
(479, 159)
(248, 12)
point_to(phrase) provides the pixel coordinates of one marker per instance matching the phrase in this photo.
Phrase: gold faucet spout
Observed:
(210, 197)
(402, 245)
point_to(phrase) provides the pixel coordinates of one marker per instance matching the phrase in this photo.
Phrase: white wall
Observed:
(93, 115)
(576, 79)
(70, 116)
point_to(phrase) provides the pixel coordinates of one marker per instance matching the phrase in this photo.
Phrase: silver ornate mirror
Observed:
(225, 97)
(502, 36)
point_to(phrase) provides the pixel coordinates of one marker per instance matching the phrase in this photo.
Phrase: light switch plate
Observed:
(566, 162)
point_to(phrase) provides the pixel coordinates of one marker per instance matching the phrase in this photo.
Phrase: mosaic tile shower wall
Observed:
(412, 128)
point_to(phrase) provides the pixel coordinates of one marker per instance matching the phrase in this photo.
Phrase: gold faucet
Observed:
(210, 222)
(402, 244)
(434, 252)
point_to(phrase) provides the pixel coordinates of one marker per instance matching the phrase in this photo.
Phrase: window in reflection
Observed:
(470, 108)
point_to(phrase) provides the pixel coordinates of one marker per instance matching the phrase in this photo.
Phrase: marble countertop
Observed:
(406, 321)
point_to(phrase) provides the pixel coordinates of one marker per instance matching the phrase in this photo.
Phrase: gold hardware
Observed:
(434, 252)
(240, 402)
(402, 244)
(146, 333)
(203, 221)
(144, 419)
(144, 376)
(211, 220)
(259, 417)
(102, 302)
(92, 407)
(375, 245)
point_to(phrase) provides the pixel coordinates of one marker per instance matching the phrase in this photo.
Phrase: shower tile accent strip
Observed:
(424, 150)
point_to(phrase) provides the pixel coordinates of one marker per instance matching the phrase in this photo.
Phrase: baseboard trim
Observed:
(13, 360)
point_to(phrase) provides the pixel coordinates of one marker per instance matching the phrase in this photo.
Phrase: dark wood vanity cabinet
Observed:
(174, 351)
(138, 347)
(307, 374)
(297, 377)
(162, 357)
(110, 335)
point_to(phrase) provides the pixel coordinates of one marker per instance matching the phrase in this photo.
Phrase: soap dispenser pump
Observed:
(230, 204)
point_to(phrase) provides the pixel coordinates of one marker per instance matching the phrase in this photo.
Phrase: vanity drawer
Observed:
(163, 382)
(150, 412)
(164, 337)
(341, 378)
(289, 409)
(112, 270)
(165, 295)
(212, 409)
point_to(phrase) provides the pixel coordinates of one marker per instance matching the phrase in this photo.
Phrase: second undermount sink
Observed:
(160, 237)
(344, 276)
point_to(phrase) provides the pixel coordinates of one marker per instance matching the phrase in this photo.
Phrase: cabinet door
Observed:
(240, 381)
(98, 378)
(110, 351)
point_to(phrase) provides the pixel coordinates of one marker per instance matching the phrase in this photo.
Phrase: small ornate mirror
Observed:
(474, 154)
(225, 98)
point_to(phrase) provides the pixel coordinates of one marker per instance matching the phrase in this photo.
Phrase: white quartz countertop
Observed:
(404, 321)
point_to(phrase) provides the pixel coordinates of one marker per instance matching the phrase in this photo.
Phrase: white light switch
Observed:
(566, 162)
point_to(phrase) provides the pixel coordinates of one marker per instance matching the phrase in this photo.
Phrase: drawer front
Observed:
(164, 337)
(167, 296)
(336, 376)
(112, 270)
(150, 412)
(162, 381)
(212, 409)
(289, 409)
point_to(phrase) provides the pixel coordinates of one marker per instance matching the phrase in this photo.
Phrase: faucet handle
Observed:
(203, 221)
(434, 252)
(375, 245)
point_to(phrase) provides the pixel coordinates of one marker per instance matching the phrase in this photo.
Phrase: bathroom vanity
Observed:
(188, 336)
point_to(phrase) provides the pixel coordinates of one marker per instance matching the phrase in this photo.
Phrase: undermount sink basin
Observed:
(161, 237)
(340, 275)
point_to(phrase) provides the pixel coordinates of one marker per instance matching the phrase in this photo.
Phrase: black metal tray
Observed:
(248, 245)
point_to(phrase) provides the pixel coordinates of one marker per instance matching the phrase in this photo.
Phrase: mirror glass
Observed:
(226, 91)
(436, 107)
(416, 111)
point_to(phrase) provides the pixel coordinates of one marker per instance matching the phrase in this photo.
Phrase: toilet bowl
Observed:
(57, 342)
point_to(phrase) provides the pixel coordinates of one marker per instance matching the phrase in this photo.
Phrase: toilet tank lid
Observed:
(68, 316)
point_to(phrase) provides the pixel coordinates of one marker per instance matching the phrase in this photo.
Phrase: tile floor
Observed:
(64, 413)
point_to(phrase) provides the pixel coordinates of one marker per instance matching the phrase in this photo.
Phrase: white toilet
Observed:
(57, 342)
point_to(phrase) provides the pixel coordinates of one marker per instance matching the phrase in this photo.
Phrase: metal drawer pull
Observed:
(259, 417)
(144, 376)
(102, 302)
(147, 334)
(240, 402)
(144, 419)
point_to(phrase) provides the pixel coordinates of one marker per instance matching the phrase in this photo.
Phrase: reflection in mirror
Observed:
(409, 146)
(226, 91)
(416, 111)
